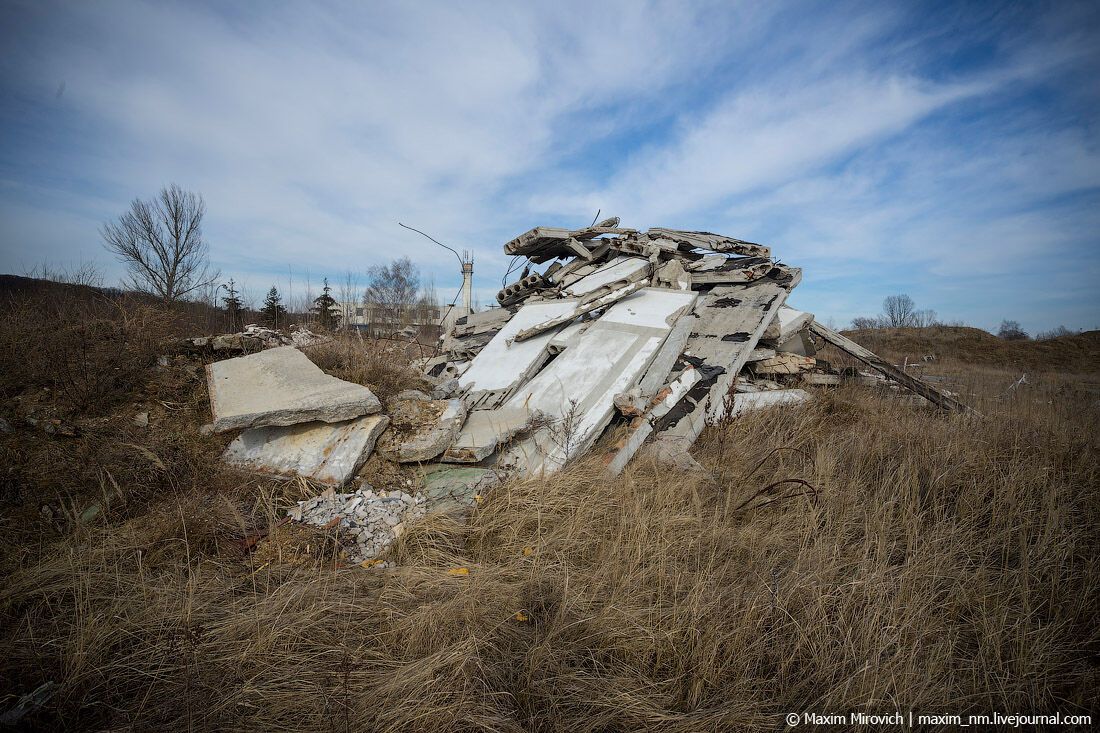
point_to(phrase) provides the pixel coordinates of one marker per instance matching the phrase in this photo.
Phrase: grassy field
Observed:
(856, 555)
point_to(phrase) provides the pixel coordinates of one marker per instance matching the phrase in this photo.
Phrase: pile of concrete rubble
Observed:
(663, 331)
(253, 338)
(668, 328)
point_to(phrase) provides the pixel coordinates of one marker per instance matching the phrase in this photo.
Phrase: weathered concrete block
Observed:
(325, 452)
(421, 429)
(281, 387)
(483, 431)
(450, 488)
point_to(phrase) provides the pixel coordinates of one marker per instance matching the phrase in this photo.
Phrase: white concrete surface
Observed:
(749, 401)
(483, 431)
(578, 388)
(620, 268)
(281, 387)
(330, 453)
(502, 366)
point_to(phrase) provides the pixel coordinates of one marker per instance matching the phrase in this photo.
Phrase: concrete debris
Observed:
(505, 363)
(668, 329)
(485, 430)
(784, 363)
(329, 453)
(252, 339)
(281, 386)
(420, 429)
(370, 520)
(660, 331)
(454, 489)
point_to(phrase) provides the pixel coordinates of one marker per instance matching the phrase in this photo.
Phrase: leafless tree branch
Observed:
(161, 242)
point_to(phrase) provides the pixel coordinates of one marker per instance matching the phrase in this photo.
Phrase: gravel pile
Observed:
(372, 519)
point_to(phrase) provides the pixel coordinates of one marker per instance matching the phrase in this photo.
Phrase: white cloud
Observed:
(313, 130)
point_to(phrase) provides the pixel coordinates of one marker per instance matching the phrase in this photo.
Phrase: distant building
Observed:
(383, 322)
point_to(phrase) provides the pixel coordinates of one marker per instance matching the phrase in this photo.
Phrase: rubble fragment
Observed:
(663, 331)
(371, 520)
(421, 430)
(281, 386)
(784, 363)
(329, 453)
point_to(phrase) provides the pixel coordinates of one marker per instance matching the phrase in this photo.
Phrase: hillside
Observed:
(1079, 353)
(848, 552)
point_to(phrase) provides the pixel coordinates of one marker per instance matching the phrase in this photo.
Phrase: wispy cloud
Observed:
(881, 149)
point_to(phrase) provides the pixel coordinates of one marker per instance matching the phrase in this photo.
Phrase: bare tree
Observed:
(898, 311)
(349, 294)
(860, 323)
(1012, 331)
(1056, 332)
(925, 318)
(391, 292)
(160, 241)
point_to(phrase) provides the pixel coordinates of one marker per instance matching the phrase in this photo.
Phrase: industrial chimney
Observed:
(467, 283)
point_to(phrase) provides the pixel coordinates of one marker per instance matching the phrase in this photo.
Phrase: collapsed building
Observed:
(664, 330)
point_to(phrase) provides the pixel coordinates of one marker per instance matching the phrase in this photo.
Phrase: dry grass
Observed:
(926, 563)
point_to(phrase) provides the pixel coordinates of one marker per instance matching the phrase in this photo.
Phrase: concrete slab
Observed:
(620, 268)
(281, 387)
(484, 431)
(787, 322)
(454, 488)
(567, 336)
(420, 430)
(728, 324)
(596, 301)
(784, 363)
(330, 453)
(503, 365)
(750, 401)
(576, 391)
(798, 343)
(643, 425)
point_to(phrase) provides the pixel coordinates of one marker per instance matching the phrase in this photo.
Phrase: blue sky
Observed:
(949, 151)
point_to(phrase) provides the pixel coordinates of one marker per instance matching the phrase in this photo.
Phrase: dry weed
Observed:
(940, 563)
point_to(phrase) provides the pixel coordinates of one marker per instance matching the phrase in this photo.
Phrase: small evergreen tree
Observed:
(273, 313)
(324, 308)
(232, 303)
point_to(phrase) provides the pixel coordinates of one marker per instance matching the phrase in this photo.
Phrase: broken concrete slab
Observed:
(486, 430)
(330, 453)
(642, 427)
(281, 386)
(627, 269)
(728, 324)
(733, 270)
(567, 336)
(784, 363)
(451, 488)
(788, 321)
(871, 359)
(750, 401)
(576, 391)
(673, 275)
(760, 354)
(798, 343)
(421, 430)
(709, 241)
(505, 364)
(582, 308)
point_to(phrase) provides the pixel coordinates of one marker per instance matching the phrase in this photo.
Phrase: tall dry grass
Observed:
(857, 554)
